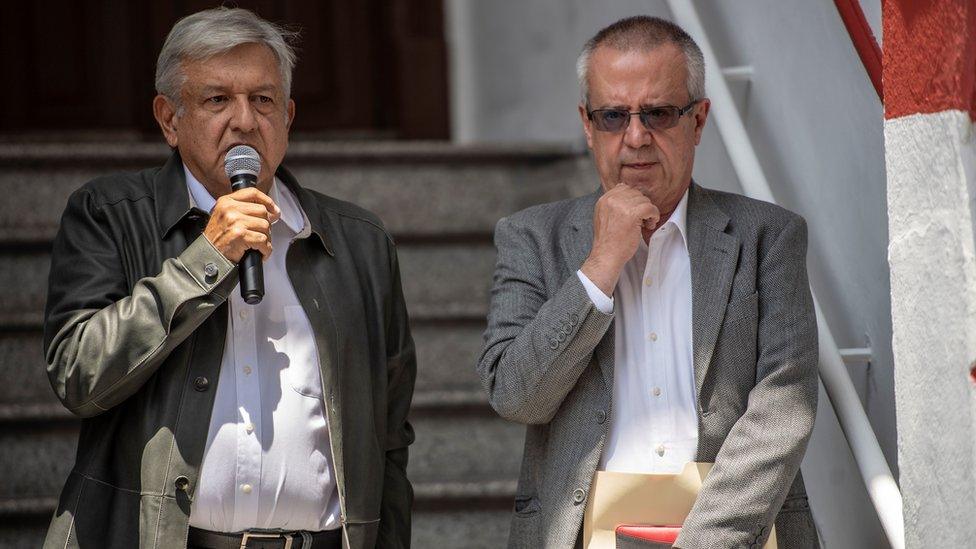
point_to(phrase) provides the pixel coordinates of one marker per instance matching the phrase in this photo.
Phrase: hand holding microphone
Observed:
(240, 223)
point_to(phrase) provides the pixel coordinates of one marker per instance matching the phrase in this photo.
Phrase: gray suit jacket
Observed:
(548, 363)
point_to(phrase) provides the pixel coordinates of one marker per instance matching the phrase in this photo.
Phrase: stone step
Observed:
(469, 447)
(419, 190)
(37, 460)
(440, 282)
(25, 532)
(481, 529)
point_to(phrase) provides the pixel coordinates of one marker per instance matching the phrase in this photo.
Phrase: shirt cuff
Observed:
(600, 300)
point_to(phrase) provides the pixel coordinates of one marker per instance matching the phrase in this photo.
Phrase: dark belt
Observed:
(265, 539)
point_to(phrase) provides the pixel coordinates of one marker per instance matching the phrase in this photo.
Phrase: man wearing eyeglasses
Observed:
(654, 322)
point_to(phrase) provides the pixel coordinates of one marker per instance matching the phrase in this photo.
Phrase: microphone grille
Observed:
(242, 159)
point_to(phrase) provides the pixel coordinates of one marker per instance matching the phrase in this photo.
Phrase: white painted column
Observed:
(931, 163)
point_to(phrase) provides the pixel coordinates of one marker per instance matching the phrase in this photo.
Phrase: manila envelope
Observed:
(638, 499)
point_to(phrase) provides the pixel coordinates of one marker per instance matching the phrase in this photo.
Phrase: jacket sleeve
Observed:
(761, 455)
(394, 528)
(102, 340)
(536, 346)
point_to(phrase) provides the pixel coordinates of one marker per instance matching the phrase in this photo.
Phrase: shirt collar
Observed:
(291, 213)
(199, 195)
(679, 217)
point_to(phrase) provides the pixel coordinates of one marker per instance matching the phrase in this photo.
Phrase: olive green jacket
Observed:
(134, 332)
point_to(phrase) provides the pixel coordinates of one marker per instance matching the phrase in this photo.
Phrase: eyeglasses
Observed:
(653, 118)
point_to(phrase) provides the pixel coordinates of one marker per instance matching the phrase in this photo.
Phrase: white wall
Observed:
(815, 122)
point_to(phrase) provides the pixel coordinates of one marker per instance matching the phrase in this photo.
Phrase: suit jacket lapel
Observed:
(713, 255)
(576, 244)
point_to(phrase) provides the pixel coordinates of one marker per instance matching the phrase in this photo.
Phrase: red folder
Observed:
(660, 534)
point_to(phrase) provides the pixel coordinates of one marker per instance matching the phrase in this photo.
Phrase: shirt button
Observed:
(652, 336)
(660, 450)
(247, 370)
(210, 270)
(249, 428)
(243, 313)
(647, 281)
(601, 416)
(201, 384)
(657, 391)
(246, 488)
(578, 496)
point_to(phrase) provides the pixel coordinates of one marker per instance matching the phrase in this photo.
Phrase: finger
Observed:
(234, 211)
(258, 241)
(255, 196)
(647, 211)
(256, 224)
(228, 210)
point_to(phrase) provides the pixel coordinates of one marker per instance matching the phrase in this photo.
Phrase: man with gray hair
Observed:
(210, 421)
(654, 322)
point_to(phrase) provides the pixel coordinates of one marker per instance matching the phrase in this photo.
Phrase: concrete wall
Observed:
(816, 124)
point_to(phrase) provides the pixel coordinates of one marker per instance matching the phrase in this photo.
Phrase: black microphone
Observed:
(242, 165)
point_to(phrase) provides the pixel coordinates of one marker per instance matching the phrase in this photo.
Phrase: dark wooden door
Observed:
(374, 68)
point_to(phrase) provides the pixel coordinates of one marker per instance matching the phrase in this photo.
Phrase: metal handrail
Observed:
(871, 462)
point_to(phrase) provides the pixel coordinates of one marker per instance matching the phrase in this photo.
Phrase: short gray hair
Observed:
(644, 33)
(215, 31)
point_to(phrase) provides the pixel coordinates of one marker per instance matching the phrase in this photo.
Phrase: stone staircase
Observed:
(440, 201)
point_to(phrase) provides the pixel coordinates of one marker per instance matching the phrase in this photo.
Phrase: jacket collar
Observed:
(316, 216)
(171, 195)
(173, 204)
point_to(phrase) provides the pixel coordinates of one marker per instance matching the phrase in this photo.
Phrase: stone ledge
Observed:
(465, 490)
(440, 399)
(301, 152)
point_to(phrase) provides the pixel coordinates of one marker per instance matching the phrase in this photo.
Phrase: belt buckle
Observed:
(266, 535)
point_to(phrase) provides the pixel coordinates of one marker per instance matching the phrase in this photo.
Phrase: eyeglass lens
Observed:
(615, 120)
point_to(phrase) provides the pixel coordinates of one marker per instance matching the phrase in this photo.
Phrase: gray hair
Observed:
(215, 31)
(644, 33)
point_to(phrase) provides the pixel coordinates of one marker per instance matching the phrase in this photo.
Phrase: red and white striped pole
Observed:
(929, 77)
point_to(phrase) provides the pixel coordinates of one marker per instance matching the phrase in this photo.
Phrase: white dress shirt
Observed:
(653, 422)
(267, 462)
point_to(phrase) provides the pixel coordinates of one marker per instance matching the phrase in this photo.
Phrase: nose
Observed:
(242, 117)
(636, 135)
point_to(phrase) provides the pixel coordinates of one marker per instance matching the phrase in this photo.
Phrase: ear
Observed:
(290, 114)
(587, 125)
(165, 112)
(701, 114)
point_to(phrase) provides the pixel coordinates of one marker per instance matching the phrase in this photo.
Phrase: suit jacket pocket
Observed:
(741, 308)
(526, 506)
(526, 532)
